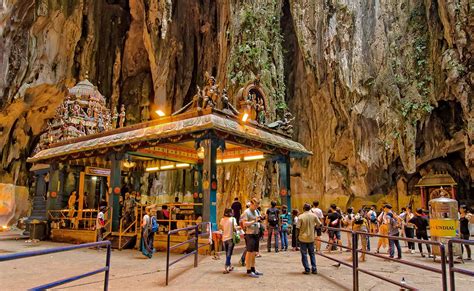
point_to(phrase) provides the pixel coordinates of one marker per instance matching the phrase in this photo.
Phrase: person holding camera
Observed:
(251, 221)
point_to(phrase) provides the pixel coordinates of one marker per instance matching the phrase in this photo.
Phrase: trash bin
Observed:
(37, 229)
(443, 222)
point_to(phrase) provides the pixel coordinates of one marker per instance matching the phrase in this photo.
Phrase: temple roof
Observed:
(436, 179)
(172, 130)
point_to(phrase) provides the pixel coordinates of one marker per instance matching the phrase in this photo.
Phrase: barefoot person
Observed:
(146, 243)
(306, 223)
(251, 222)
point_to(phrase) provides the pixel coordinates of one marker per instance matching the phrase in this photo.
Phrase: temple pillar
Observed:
(423, 197)
(209, 182)
(284, 171)
(53, 187)
(115, 188)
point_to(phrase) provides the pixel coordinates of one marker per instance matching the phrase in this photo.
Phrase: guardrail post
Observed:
(451, 265)
(355, 262)
(196, 246)
(167, 258)
(107, 264)
(444, 279)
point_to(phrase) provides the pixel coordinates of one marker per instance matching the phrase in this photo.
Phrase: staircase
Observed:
(127, 241)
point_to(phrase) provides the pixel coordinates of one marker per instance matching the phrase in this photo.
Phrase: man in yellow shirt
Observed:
(306, 223)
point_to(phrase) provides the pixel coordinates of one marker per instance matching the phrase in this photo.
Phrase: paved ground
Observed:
(131, 271)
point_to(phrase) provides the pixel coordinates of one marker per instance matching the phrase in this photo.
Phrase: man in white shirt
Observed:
(319, 214)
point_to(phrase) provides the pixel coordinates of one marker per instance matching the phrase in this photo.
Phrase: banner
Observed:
(443, 227)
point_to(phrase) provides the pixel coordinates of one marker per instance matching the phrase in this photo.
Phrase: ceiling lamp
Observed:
(182, 165)
(167, 167)
(253, 158)
(231, 160)
(160, 113)
(218, 161)
(152, 169)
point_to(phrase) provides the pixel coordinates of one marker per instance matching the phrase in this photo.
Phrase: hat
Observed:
(388, 206)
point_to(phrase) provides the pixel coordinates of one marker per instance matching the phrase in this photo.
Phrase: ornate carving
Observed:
(83, 112)
(284, 124)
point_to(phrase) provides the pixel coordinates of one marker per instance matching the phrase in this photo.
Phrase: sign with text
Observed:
(93, 171)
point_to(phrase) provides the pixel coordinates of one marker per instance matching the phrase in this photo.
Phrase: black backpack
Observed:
(273, 217)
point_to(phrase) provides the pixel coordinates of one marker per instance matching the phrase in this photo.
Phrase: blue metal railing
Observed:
(105, 269)
(194, 240)
(452, 268)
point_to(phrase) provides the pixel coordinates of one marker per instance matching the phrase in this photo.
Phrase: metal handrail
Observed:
(122, 232)
(195, 239)
(452, 269)
(105, 269)
(355, 259)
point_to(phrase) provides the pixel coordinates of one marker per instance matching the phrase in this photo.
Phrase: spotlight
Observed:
(245, 117)
(160, 113)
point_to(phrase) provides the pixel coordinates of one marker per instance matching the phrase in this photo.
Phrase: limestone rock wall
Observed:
(382, 90)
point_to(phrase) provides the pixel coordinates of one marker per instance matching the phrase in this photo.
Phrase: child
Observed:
(294, 233)
(285, 220)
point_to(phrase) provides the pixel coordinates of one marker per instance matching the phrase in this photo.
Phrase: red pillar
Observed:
(453, 192)
(423, 198)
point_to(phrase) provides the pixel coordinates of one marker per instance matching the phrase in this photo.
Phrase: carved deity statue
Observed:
(122, 116)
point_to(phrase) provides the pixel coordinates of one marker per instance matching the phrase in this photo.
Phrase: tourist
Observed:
(393, 224)
(421, 224)
(228, 226)
(85, 201)
(319, 213)
(174, 213)
(306, 223)
(408, 227)
(146, 243)
(244, 253)
(273, 215)
(294, 231)
(347, 224)
(333, 220)
(383, 228)
(285, 221)
(361, 224)
(465, 217)
(251, 221)
(236, 208)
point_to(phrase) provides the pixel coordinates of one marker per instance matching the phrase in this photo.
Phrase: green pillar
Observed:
(115, 187)
(209, 182)
(285, 191)
(53, 187)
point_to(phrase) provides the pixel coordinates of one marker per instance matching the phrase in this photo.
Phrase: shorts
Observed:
(318, 231)
(334, 233)
(252, 242)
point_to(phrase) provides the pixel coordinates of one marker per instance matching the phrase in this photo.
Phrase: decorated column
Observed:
(209, 182)
(285, 193)
(114, 188)
(53, 187)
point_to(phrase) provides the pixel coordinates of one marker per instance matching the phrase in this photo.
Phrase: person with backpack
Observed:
(149, 227)
(285, 222)
(273, 215)
(334, 220)
(393, 224)
(421, 226)
(361, 224)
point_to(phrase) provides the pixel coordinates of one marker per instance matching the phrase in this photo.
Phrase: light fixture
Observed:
(128, 163)
(245, 117)
(4, 227)
(218, 161)
(182, 165)
(167, 167)
(94, 178)
(160, 113)
(152, 169)
(253, 158)
(231, 160)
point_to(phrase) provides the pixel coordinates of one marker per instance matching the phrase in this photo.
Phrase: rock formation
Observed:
(382, 90)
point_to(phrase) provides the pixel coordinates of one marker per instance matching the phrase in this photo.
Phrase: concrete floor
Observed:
(131, 271)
